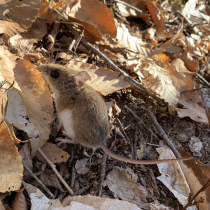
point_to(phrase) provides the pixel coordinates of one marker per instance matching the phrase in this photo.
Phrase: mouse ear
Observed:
(77, 80)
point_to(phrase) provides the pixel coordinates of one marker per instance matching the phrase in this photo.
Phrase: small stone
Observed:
(195, 146)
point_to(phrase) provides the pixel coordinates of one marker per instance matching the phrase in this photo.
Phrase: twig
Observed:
(71, 158)
(93, 190)
(72, 177)
(193, 198)
(132, 81)
(153, 178)
(41, 184)
(95, 179)
(151, 131)
(36, 174)
(204, 80)
(155, 145)
(142, 180)
(122, 2)
(140, 121)
(204, 68)
(162, 133)
(134, 146)
(56, 193)
(123, 131)
(56, 172)
(103, 168)
(185, 91)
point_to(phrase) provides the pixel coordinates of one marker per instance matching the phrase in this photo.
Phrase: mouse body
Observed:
(82, 111)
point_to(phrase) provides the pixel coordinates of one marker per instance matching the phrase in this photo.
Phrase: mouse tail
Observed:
(144, 162)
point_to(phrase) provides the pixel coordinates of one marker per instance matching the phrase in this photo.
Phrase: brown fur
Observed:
(89, 113)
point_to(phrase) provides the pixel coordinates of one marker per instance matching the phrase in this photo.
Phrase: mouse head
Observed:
(60, 78)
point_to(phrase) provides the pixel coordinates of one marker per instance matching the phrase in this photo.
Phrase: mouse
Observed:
(82, 112)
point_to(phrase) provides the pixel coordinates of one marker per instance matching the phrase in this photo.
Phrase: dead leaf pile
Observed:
(145, 47)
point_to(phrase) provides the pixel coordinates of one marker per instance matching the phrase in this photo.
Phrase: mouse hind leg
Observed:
(62, 141)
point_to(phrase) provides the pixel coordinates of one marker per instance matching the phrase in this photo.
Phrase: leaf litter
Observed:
(155, 47)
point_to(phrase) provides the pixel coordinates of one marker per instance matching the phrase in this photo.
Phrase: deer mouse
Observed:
(82, 111)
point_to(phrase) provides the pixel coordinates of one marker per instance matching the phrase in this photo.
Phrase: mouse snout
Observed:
(44, 68)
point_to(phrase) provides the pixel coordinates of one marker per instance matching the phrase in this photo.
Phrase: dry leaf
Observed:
(94, 13)
(193, 13)
(3, 104)
(127, 11)
(132, 43)
(37, 30)
(80, 166)
(193, 107)
(2, 206)
(39, 201)
(49, 179)
(22, 45)
(172, 176)
(196, 176)
(10, 162)
(103, 80)
(23, 12)
(11, 132)
(17, 115)
(156, 15)
(37, 98)
(101, 203)
(9, 28)
(182, 78)
(112, 109)
(173, 38)
(189, 61)
(7, 64)
(205, 98)
(26, 158)
(54, 153)
(71, 6)
(19, 202)
(156, 78)
(3, 195)
(123, 184)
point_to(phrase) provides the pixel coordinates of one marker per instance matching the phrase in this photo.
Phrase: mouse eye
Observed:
(55, 74)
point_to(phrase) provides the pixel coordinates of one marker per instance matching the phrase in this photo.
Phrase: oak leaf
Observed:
(10, 162)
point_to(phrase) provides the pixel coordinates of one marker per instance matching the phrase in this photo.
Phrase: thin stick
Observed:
(36, 174)
(40, 183)
(56, 172)
(153, 178)
(84, 189)
(185, 91)
(134, 146)
(193, 198)
(72, 177)
(132, 81)
(151, 131)
(204, 80)
(93, 190)
(71, 159)
(123, 131)
(162, 133)
(103, 169)
(140, 122)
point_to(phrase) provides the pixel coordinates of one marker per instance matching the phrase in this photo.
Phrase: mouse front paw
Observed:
(62, 141)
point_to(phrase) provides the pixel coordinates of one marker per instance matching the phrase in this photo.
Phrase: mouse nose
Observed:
(44, 68)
